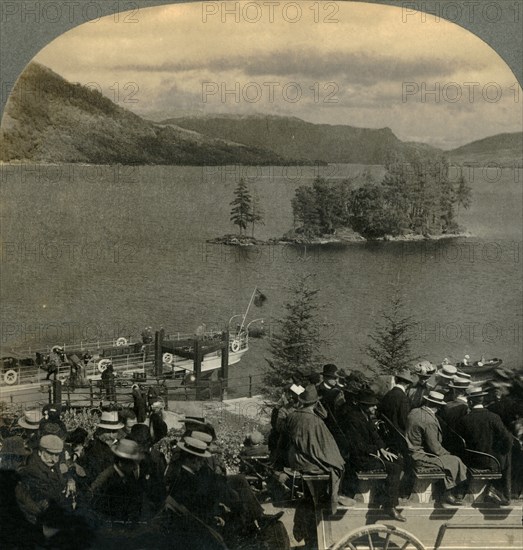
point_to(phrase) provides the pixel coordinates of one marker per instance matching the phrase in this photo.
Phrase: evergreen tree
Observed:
(296, 345)
(392, 338)
(256, 215)
(241, 206)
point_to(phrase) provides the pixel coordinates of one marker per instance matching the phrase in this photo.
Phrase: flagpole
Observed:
(248, 307)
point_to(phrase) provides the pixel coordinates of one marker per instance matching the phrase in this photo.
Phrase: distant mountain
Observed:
(503, 149)
(295, 138)
(48, 119)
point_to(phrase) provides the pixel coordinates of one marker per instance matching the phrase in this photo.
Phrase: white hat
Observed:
(194, 446)
(109, 421)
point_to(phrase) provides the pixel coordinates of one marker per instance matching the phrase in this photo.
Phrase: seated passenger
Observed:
(395, 404)
(423, 370)
(312, 448)
(365, 448)
(458, 405)
(484, 431)
(424, 438)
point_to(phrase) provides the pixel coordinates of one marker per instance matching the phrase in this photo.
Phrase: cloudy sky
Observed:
(362, 66)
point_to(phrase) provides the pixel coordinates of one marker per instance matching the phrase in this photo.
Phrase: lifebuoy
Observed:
(121, 341)
(168, 358)
(10, 377)
(103, 364)
(235, 345)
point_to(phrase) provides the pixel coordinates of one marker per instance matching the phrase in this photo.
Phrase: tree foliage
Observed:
(241, 206)
(391, 347)
(256, 215)
(296, 345)
(416, 196)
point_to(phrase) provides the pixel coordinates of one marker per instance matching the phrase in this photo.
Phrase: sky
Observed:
(356, 64)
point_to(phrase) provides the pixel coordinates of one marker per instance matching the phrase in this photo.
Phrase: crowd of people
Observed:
(65, 489)
(432, 420)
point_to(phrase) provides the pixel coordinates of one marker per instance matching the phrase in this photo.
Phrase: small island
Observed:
(415, 200)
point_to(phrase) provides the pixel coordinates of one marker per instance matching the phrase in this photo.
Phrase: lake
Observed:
(96, 252)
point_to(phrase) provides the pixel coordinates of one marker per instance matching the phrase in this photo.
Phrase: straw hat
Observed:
(448, 371)
(31, 420)
(109, 421)
(435, 397)
(129, 449)
(194, 446)
(202, 436)
(459, 383)
(476, 391)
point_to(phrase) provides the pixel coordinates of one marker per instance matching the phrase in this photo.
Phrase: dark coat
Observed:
(152, 470)
(312, 447)
(508, 408)
(361, 437)
(200, 493)
(96, 458)
(158, 427)
(16, 533)
(39, 485)
(116, 497)
(452, 412)
(395, 405)
(484, 431)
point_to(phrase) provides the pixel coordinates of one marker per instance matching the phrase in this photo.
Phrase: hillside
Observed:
(294, 138)
(48, 119)
(503, 149)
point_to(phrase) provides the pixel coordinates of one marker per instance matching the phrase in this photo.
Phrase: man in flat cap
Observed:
(42, 481)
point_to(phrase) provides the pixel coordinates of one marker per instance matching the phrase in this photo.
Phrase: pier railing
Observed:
(94, 393)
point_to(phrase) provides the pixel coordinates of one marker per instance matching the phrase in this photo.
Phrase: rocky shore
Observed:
(344, 236)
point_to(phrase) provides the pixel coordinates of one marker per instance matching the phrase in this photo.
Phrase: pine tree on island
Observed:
(241, 206)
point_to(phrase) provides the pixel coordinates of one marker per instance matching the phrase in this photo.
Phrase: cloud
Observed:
(357, 67)
(368, 54)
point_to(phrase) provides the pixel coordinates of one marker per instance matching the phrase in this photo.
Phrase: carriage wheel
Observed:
(379, 537)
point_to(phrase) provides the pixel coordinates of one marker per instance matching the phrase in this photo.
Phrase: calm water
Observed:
(99, 252)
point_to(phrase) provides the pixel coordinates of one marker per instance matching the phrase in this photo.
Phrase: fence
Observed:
(95, 394)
